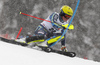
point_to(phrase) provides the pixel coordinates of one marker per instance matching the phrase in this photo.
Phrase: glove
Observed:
(66, 25)
(49, 35)
(63, 48)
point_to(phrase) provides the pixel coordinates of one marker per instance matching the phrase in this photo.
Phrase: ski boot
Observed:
(64, 49)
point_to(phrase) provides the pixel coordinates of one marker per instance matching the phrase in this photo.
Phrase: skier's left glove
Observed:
(49, 35)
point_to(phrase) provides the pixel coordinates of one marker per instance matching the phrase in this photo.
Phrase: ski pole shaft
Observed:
(34, 17)
(19, 32)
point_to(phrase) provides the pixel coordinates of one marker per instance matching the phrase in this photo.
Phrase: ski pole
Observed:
(19, 32)
(68, 25)
(34, 17)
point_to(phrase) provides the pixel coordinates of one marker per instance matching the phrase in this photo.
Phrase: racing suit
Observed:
(52, 29)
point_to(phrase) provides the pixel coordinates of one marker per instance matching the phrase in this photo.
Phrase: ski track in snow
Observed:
(11, 54)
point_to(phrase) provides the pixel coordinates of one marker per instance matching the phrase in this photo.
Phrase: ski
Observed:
(13, 42)
(46, 49)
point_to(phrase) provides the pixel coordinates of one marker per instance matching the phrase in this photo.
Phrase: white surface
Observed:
(17, 55)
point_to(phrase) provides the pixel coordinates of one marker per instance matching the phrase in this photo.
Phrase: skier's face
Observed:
(66, 17)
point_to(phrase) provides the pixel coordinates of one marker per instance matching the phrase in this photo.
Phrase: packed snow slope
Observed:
(17, 55)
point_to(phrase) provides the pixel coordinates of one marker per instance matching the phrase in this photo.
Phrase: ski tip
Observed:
(20, 12)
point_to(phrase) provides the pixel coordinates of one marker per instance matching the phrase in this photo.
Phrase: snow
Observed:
(17, 55)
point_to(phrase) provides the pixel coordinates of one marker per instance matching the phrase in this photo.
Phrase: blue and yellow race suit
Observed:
(52, 30)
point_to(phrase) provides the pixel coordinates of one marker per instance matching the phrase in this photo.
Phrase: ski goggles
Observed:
(67, 16)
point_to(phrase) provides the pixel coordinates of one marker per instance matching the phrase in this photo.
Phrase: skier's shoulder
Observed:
(54, 15)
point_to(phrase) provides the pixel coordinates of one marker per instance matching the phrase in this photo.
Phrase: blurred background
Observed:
(84, 39)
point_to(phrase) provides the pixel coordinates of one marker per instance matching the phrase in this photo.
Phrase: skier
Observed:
(50, 32)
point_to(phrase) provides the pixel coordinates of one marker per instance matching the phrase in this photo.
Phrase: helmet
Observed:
(66, 10)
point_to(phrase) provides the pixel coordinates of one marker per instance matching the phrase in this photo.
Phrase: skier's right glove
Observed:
(66, 25)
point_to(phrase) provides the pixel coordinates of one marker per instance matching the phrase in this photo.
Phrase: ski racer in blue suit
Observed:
(52, 31)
